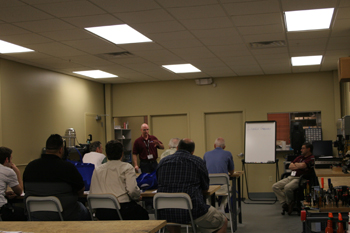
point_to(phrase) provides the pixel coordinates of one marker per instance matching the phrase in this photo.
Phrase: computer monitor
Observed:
(323, 148)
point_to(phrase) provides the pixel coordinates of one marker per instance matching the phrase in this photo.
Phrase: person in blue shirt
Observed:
(220, 161)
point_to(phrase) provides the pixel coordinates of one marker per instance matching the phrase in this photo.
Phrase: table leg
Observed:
(239, 200)
(234, 204)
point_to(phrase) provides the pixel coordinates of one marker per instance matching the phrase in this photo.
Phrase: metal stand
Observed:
(268, 202)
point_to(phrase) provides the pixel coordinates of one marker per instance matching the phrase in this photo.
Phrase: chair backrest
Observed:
(173, 201)
(103, 201)
(48, 203)
(219, 178)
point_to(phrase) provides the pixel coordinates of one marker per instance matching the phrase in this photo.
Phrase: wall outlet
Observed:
(270, 178)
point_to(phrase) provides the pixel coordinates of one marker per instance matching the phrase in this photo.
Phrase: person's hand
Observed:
(14, 167)
(10, 194)
(137, 169)
(156, 143)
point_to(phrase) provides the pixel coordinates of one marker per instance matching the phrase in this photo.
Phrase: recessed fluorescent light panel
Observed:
(119, 34)
(306, 60)
(95, 74)
(309, 19)
(182, 68)
(6, 47)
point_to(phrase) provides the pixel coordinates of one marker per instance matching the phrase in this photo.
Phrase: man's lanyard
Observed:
(147, 145)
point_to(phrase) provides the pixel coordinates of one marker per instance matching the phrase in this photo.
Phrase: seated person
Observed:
(172, 147)
(10, 176)
(118, 178)
(183, 172)
(52, 176)
(95, 155)
(220, 161)
(284, 189)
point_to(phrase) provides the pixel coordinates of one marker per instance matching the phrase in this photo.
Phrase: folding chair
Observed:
(103, 201)
(49, 203)
(173, 201)
(223, 179)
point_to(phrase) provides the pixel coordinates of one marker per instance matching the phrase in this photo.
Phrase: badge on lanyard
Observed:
(150, 156)
(293, 173)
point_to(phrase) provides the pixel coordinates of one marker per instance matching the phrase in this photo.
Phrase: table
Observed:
(338, 178)
(328, 172)
(236, 177)
(139, 226)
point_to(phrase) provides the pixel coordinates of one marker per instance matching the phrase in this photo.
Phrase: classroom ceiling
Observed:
(213, 35)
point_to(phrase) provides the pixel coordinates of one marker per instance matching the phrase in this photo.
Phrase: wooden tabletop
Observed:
(237, 174)
(139, 226)
(336, 181)
(212, 189)
(331, 172)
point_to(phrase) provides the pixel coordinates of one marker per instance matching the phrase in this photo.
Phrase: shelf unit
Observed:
(124, 136)
(307, 119)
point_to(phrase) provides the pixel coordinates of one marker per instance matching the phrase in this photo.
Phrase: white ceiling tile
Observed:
(248, 70)
(114, 6)
(293, 5)
(158, 56)
(262, 29)
(170, 36)
(56, 49)
(207, 23)
(93, 20)
(180, 43)
(341, 28)
(339, 42)
(216, 32)
(276, 69)
(192, 53)
(265, 51)
(249, 8)
(70, 9)
(88, 60)
(135, 47)
(343, 13)
(72, 34)
(198, 12)
(26, 39)
(149, 16)
(138, 77)
(228, 50)
(258, 19)
(307, 34)
(301, 69)
(156, 27)
(31, 55)
(264, 37)
(9, 29)
(344, 3)
(318, 43)
(47, 25)
(22, 13)
(209, 41)
(94, 46)
(7, 3)
(142, 67)
(181, 3)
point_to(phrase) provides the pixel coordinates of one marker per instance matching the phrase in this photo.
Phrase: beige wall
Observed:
(36, 103)
(254, 96)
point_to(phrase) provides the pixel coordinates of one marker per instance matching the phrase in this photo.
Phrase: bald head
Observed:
(220, 142)
(144, 130)
(187, 145)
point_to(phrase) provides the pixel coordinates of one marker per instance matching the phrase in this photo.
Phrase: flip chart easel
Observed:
(260, 148)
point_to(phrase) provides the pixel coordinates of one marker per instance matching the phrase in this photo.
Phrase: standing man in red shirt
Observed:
(146, 148)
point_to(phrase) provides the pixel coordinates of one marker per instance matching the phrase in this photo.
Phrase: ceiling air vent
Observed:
(267, 44)
(116, 55)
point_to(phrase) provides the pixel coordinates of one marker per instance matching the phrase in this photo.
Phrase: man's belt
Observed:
(148, 161)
